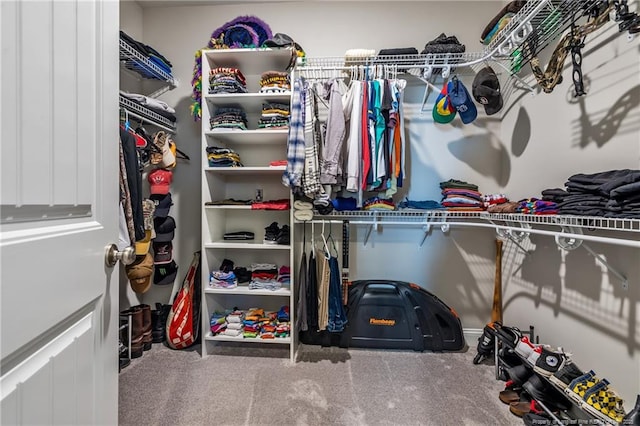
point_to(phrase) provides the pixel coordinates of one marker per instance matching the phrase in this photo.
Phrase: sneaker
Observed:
(579, 386)
(549, 362)
(524, 347)
(565, 374)
(534, 355)
(283, 236)
(271, 233)
(542, 391)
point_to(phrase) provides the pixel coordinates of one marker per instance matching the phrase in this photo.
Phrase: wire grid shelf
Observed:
(544, 26)
(146, 114)
(136, 61)
(420, 216)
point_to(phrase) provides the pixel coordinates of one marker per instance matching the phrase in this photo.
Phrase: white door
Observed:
(59, 209)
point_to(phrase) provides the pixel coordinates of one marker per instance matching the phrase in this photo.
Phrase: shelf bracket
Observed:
(425, 229)
(618, 274)
(525, 85)
(371, 227)
(573, 243)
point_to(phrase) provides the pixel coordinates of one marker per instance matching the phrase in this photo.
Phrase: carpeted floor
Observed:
(327, 386)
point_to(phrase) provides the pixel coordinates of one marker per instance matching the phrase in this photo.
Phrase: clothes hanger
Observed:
(330, 239)
(327, 253)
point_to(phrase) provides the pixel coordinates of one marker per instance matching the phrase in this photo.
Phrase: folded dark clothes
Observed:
(512, 7)
(398, 51)
(585, 197)
(555, 192)
(453, 183)
(583, 212)
(143, 48)
(602, 177)
(623, 215)
(626, 191)
(228, 201)
(444, 44)
(239, 235)
(419, 204)
(582, 204)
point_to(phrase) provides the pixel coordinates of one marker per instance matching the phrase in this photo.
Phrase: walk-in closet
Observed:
(324, 212)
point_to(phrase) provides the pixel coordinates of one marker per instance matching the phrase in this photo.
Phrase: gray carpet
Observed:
(327, 386)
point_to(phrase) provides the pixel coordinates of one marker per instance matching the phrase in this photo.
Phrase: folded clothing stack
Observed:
(378, 203)
(612, 193)
(220, 279)
(444, 44)
(222, 157)
(537, 207)
(275, 82)
(264, 276)
(155, 105)
(489, 200)
(284, 275)
(275, 115)
(150, 53)
(230, 117)
(459, 195)
(226, 80)
(239, 236)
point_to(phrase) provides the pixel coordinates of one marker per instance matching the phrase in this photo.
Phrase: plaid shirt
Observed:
(292, 177)
(313, 139)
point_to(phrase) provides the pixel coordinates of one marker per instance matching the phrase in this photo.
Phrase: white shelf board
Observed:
(241, 339)
(252, 246)
(249, 61)
(245, 290)
(248, 101)
(243, 170)
(228, 207)
(257, 136)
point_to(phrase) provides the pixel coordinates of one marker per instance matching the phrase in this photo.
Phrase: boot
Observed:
(136, 331)
(159, 319)
(146, 327)
(633, 417)
(157, 332)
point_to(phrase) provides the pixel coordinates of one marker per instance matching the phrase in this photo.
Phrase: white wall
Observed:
(558, 293)
(572, 299)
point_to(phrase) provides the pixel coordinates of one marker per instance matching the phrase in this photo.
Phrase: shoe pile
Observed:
(273, 234)
(539, 375)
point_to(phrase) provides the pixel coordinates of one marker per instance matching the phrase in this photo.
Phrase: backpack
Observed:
(183, 323)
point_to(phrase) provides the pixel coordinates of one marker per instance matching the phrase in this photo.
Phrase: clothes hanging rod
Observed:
(595, 238)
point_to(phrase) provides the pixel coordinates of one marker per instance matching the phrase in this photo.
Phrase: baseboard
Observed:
(471, 336)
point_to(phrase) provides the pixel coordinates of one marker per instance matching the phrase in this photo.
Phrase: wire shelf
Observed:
(536, 24)
(147, 115)
(136, 61)
(418, 216)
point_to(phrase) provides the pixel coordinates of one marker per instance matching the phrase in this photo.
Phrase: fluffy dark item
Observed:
(240, 35)
(260, 27)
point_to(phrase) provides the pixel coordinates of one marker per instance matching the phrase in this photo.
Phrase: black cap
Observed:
(165, 227)
(486, 90)
(165, 274)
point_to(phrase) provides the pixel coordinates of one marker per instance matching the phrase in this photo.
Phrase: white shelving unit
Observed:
(256, 148)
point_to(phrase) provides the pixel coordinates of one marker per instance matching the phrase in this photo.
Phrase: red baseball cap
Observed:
(159, 181)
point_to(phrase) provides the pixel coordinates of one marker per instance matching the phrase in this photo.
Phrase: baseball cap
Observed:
(142, 246)
(443, 111)
(461, 101)
(159, 181)
(486, 90)
(164, 227)
(169, 154)
(163, 204)
(139, 273)
(162, 253)
(165, 274)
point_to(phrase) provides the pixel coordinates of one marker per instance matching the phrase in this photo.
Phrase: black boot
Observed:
(159, 321)
(633, 417)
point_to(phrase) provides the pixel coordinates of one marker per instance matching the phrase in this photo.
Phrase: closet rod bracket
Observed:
(425, 233)
(572, 243)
